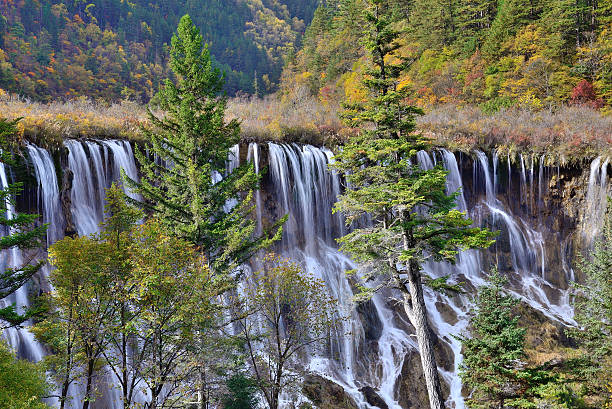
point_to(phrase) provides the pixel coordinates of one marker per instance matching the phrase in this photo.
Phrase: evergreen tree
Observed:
(562, 20)
(511, 16)
(241, 393)
(17, 231)
(496, 346)
(604, 13)
(433, 23)
(593, 313)
(413, 219)
(474, 17)
(187, 185)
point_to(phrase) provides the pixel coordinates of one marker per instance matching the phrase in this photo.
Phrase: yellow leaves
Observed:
(609, 400)
(354, 91)
(406, 82)
(20, 129)
(305, 75)
(529, 41)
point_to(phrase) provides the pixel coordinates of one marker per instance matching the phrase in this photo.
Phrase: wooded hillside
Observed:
(116, 49)
(531, 54)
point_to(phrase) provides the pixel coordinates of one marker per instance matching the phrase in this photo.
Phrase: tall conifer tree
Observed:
(492, 354)
(413, 219)
(187, 184)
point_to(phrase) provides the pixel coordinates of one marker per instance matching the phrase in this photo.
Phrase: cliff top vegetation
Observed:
(566, 134)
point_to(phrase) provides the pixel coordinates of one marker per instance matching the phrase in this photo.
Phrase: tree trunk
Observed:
(202, 392)
(90, 370)
(64, 394)
(418, 317)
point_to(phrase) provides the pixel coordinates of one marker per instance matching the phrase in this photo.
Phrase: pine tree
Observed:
(18, 231)
(511, 16)
(413, 219)
(186, 184)
(242, 393)
(496, 345)
(562, 20)
(474, 17)
(604, 13)
(433, 23)
(593, 312)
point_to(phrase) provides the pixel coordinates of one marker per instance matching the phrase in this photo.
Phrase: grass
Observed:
(299, 119)
(48, 125)
(567, 134)
(564, 135)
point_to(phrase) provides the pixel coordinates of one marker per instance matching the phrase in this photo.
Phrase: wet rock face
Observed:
(373, 398)
(410, 386)
(326, 394)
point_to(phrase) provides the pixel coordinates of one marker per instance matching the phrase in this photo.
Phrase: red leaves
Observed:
(584, 94)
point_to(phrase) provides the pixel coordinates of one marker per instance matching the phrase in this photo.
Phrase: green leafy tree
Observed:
(19, 231)
(79, 307)
(493, 353)
(22, 384)
(120, 332)
(593, 313)
(298, 314)
(174, 293)
(413, 219)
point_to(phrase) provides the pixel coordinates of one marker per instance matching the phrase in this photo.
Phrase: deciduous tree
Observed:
(288, 312)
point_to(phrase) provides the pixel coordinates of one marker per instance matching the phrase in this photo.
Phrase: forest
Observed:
(535, 54)
(114, 49)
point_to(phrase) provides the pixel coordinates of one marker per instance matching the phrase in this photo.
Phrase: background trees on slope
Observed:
(114, 49)
(477, 51)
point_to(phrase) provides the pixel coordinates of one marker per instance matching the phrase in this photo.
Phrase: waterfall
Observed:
(87, 207)
(596, 200)
(48, 201)
(123, 159)
(48, 193)
(21, 340)
(253, 156)
(93, 174)
(371, 348)
(307, 191)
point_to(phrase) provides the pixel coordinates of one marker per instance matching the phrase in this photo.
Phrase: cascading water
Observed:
(306, 190)
(371, 349)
